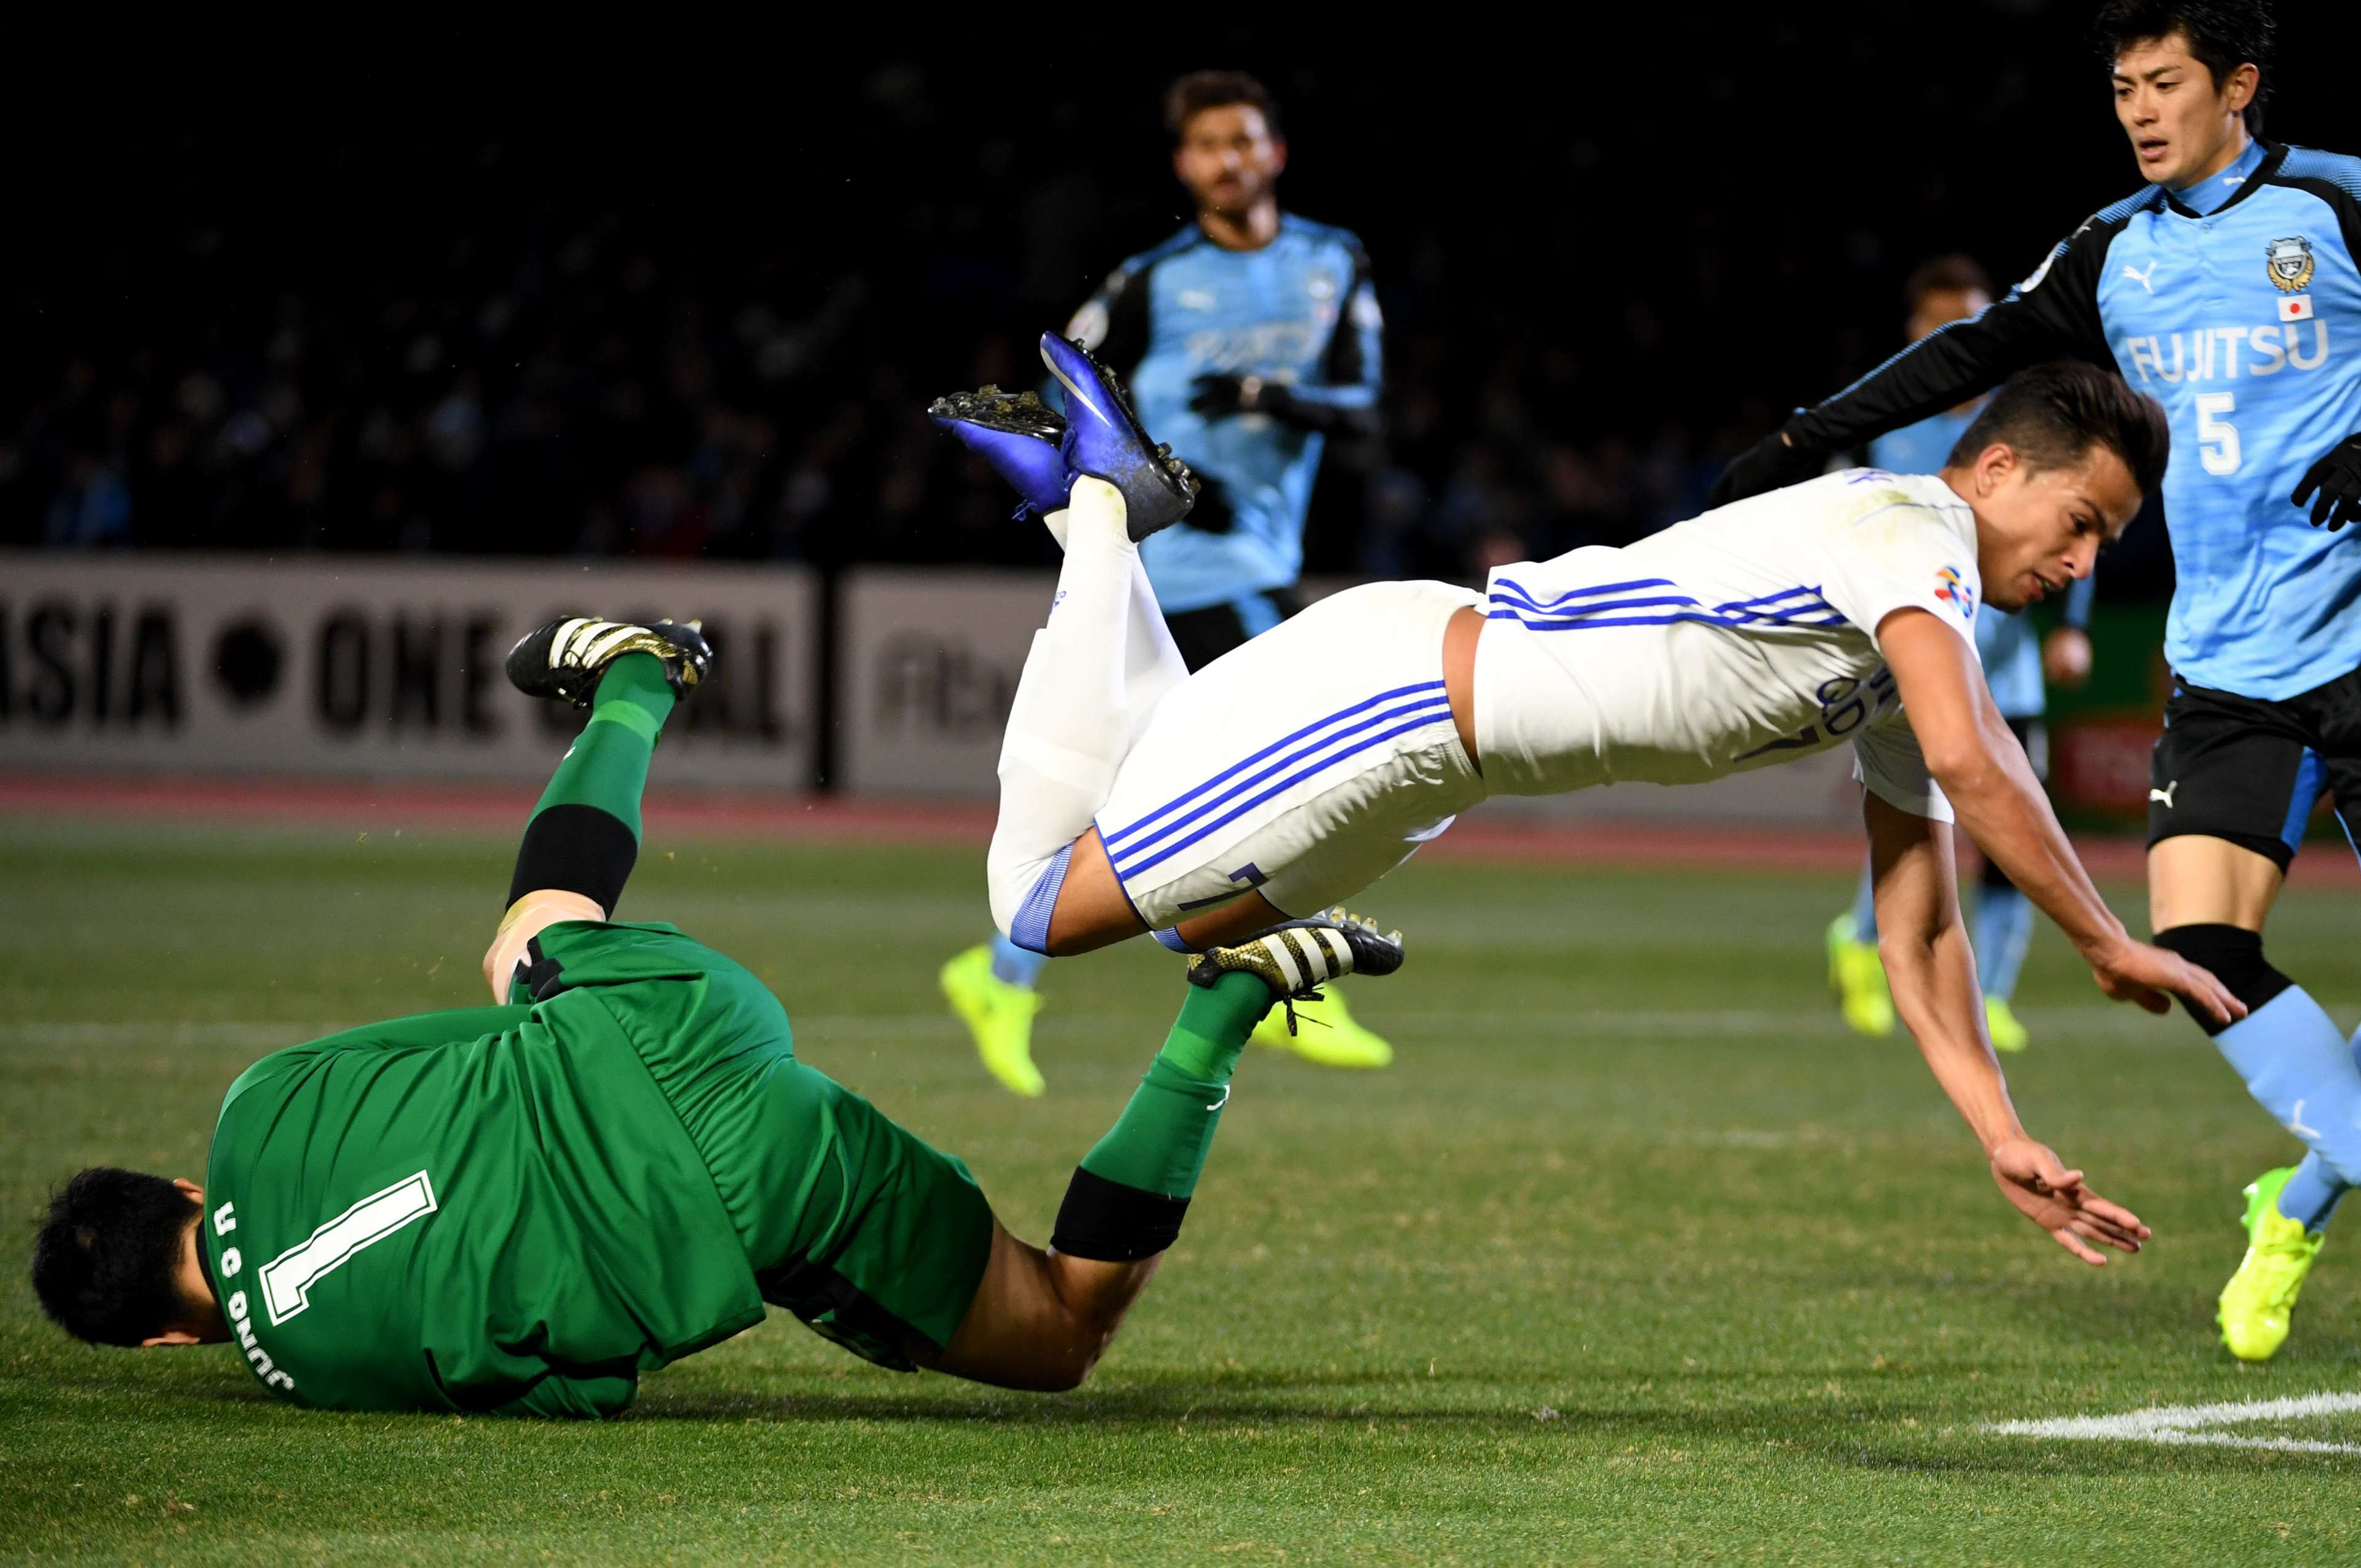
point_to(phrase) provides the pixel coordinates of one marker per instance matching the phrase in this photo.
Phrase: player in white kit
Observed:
(1298, 769)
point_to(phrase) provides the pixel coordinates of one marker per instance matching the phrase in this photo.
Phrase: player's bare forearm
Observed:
(1932, 972)
(1989, 779)
(1944, 1013)
(2000, 803)
(1993, 790)
(1931, 968)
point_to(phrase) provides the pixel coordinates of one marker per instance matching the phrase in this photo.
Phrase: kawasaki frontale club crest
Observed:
(2290, 264)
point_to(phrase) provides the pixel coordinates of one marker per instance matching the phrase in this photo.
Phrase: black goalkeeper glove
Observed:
(1769, 465)
(2337, 477)
(1212, 512)
(1219, 396)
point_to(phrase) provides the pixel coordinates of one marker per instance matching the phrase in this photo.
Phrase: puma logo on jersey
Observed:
(2146, 280)
(2165, 795)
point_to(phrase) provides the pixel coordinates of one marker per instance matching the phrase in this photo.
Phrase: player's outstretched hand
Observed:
(2150, 977)
(2035, 1179)
(1769, 465)
(2337, 479)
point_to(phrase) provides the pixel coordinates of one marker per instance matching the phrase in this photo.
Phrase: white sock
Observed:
(1071, 724)
(1152, 663)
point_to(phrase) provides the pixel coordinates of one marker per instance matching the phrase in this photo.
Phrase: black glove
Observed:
(2337, 477)
(1212, 512)
(1219, 396)
(1769, 465)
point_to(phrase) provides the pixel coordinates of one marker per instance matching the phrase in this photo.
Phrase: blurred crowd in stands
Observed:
(577, 400)
(579, 390)
(718, 341)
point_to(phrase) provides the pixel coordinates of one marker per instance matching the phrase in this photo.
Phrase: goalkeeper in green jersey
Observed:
(521, 1207)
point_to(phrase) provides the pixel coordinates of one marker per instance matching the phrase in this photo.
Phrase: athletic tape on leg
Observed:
(1110, 1223)
(1030, 929)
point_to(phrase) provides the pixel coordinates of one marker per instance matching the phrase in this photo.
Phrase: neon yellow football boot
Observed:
(1325, 1033)
(1000, 1016)
(1858, 976)
(2260, 1298)
(2000, 1023)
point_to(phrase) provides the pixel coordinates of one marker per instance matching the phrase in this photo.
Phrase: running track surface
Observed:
(373, 807)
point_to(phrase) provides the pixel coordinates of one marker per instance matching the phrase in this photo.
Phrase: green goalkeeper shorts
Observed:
(866, 1233)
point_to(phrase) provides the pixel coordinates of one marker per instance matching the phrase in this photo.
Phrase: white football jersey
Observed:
(1738, 639)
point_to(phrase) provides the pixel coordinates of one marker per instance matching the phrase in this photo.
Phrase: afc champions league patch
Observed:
(1954, 591)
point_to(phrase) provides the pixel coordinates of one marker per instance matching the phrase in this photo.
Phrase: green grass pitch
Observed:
(1635, 1255)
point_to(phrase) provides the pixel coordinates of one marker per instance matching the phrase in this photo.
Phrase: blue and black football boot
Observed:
(1104, 439)
(1018, 434)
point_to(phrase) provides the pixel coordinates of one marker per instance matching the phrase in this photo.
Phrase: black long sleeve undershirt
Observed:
(2052, 314)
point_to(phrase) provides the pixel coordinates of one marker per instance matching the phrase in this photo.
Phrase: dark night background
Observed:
(458, 292)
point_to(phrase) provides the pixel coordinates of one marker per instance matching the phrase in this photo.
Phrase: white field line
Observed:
(1573, 1026)
(2075, 1024)
(886, 1026)
(2187, 1423)
(159, 1032)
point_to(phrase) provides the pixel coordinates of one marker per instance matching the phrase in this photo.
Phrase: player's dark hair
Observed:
(106, 1259)
(1944, 274)
(2223, 36)
(1202, 90)
(2053, 414)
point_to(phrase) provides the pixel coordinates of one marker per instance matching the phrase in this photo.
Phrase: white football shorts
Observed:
(1306, 763)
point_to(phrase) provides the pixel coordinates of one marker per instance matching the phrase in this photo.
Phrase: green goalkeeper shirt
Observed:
(494, 1209)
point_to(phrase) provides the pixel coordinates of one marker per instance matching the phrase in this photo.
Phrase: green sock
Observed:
(607, 767)
(583, 834)
(1159, 1144)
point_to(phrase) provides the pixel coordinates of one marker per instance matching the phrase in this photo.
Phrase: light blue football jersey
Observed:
(2237, 305)
(2245, 321)
(1300, 313)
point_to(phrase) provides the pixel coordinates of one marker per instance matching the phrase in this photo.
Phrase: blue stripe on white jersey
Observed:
(1592, 608)
(1149, 842)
